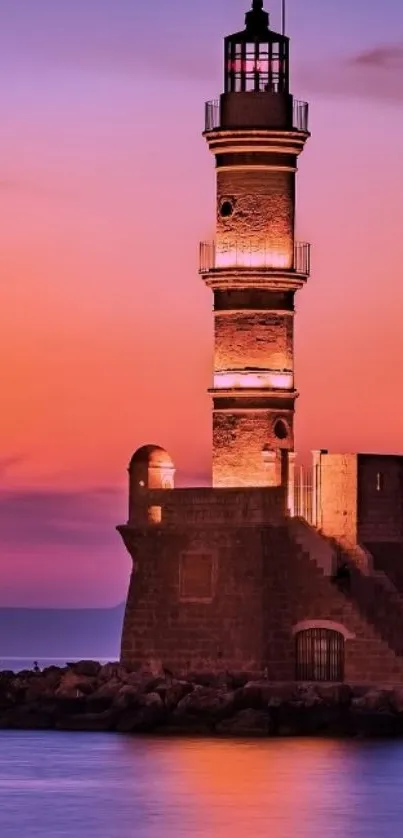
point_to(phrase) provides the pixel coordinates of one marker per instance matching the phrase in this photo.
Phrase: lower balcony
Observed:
(256, 255)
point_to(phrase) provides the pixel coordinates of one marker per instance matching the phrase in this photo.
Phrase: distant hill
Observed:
(56, 633)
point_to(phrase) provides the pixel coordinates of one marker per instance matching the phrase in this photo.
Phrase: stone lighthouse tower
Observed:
(224, 580)
(256, 132)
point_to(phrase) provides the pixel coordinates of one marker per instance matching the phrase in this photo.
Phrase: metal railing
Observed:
(319, 655)
(254, 254)
(212, 115)
(302, 258)
(304, 494)
(300, 115)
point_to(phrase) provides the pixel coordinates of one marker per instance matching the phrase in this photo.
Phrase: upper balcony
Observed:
(300, 116)
(253, 255)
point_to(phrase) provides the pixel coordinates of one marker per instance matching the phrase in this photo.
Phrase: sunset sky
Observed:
(106, 188)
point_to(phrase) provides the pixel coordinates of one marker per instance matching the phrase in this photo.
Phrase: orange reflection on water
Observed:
(279, 788)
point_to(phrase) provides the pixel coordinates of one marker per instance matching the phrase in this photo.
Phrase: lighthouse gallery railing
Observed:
(300, 115)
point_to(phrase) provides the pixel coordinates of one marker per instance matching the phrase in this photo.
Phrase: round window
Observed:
(280, 429)
(226, 209)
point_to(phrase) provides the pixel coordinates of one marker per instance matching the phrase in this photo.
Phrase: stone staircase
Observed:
(310, 541)
(378, 601)
(366, 602)
(387, 558)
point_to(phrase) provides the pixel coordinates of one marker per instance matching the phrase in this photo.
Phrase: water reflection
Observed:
(306, 788)
(79, 785)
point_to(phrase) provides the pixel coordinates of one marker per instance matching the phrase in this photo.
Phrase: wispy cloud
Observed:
(386, 58)
(61, 548)
(31, 518)
(376, 73)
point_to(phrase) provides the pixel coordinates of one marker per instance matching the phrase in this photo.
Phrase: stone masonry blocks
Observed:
(262, 340)
(239, 440)
(264, 587)
(263, 207)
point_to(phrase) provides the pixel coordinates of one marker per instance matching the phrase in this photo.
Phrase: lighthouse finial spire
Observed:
(257, 20)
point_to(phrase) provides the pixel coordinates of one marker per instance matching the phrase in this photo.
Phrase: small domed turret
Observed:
(151, 467)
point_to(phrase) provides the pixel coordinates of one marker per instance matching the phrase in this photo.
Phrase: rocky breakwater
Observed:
(89, 697)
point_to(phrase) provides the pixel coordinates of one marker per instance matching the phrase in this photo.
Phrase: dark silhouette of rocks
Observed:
(86, 696)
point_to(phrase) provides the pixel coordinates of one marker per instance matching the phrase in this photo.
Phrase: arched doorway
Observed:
(319, 655)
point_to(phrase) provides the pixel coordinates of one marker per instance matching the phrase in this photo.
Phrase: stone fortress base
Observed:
(229, 580)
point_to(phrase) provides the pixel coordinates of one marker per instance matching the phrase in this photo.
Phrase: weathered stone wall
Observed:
(263, 204)
(380, 498)
(360, 497)
(262, 340)
(239, 440)
(387, 556)
(254, 331)
(337, 500)
(244, 591)
(222, 631)
(248, 341)
(189, 507)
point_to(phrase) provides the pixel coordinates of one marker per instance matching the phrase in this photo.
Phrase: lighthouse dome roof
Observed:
(153, 456)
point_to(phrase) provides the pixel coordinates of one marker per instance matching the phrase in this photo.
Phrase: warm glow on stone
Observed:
(251, 258)
(154, 514)
(269, 379)
(254, 267)
(167, 481)
(282, 380)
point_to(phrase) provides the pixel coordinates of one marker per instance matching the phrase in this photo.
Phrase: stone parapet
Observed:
(209, 507)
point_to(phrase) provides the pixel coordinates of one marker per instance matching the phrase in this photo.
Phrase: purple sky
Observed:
(106, 188)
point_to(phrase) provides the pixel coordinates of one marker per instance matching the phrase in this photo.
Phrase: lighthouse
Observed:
(256, 132)
(228, 579)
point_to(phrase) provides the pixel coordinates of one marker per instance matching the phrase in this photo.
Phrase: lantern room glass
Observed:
(256, 65)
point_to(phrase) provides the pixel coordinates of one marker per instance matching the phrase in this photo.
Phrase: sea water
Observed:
(81, 785)
(18, 664)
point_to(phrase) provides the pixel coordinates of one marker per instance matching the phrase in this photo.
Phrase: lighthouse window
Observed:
(257, 65)
(226, 209)
(280, 429)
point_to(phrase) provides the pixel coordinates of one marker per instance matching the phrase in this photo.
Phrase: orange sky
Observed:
(106, 329)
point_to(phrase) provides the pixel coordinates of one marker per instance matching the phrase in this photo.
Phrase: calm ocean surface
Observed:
(17, 664)
(79, 785)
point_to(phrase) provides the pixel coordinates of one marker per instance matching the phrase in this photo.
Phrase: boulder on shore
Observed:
(86, 696)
